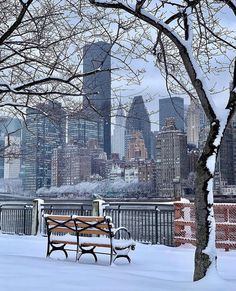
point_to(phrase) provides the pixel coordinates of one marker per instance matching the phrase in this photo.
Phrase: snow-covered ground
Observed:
(23, 267)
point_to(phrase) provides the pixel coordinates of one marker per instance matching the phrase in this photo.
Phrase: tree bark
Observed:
(202, 205)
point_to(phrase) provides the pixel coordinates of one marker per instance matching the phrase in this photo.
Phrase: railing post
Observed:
(156, 224)
(119, 216)
(36, 216)
(24, 222)
(97, 207)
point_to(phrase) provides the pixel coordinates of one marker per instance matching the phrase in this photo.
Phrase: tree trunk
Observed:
(202, 205)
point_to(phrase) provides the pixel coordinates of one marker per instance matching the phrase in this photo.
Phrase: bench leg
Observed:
(111, 256)
(123, 256)
(87, 251)
(123, 252)
(56, 248)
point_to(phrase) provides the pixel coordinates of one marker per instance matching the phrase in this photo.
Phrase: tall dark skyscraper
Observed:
(138, 119)
(44, 132)
(172, 107)
(98, 86)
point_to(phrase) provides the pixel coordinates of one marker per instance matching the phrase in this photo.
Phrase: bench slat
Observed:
(69, 224)
(61, 241)
(100, 225)
(89, 218)
(62, 229)
(58, 217)
(93, 232)
(95, 245)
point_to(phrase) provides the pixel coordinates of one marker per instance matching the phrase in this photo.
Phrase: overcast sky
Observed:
(153, 84)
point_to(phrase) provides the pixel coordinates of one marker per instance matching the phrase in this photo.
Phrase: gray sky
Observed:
(153, 84)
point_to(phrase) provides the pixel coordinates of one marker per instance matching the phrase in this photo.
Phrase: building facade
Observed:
(118, 137)
(12, 160)
(136, 147)
(138, 120)
(10, 140)
(85, 126)
(225, 173)
(97, 86)
(46, 130)
(147, 173)
(171, 152)
(70, 165)
(172, 107)
(195, 122)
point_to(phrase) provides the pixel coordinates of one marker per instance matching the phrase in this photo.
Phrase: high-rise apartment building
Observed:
(172, 107)
(46, 130)
(70, 165)
(118, 137)
(138, 120)
(171, 153)
(147, 174)
(97, 86)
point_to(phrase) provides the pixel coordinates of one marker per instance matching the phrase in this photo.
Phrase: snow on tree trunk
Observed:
(205, 253)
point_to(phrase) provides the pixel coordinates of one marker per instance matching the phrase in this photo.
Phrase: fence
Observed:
(16, 218)
(225, 216)
(148, 223)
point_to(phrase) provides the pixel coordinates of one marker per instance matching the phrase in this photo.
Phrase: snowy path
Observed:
(24, 268)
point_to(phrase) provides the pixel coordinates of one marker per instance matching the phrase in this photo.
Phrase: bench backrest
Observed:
(93, 225)
(60, 224)
(80, 225)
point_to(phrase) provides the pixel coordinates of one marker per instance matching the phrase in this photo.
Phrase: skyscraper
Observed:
(10, 139)
(44, 132)
(83, 127)
(196, 120)
(172, 107)
(171, 153)
(138, 120)
(226, 162)
(97, 86)
(118, 137)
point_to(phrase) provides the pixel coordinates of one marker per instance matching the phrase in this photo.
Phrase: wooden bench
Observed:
(87, 234)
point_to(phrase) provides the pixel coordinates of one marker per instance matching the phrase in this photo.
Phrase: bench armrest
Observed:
(120, 229)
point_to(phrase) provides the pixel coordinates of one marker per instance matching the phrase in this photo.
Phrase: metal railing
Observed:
(148, 223)
(16, 218)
